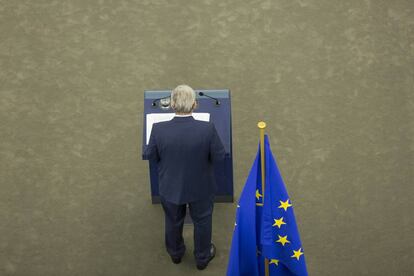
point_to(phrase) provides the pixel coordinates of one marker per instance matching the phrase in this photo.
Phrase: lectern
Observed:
(214, 106)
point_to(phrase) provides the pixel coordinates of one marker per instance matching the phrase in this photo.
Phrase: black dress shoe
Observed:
(176, 260)
(212, 255)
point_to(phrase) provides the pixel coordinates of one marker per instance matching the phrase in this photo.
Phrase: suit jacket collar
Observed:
(183, 119)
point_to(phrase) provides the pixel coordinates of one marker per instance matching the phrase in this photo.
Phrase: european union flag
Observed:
(265, 226)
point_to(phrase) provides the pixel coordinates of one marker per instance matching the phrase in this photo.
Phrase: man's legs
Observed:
(174, 221)
(201, 213)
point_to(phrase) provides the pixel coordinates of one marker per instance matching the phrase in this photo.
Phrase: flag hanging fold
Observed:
(265, 226)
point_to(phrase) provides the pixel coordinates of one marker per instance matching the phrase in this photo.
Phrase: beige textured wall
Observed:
(333, 80)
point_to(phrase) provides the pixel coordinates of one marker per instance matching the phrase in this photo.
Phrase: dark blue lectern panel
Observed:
(220, 115)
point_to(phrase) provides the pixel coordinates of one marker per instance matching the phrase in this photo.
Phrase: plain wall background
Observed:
(333, 80)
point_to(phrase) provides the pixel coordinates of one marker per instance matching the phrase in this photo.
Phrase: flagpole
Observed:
(262, 125)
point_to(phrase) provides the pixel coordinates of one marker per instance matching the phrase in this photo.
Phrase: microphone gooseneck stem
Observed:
(205, 95)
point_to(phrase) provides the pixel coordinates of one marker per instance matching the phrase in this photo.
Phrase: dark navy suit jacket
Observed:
(185, 150)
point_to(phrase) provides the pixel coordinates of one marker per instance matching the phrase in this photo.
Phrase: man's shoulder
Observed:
(160, 123)
(203, 123)
(159, 127)
(163, 124)
(207, 126)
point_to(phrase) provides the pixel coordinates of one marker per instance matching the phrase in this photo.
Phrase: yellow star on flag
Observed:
(297, 254)
(274, 261)
(284, 204)
(283, 240)
(258, 195)
(279, 222)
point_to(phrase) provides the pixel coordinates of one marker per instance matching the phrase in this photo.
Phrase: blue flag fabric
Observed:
(265, 226)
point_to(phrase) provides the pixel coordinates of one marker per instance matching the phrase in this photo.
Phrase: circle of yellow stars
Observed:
(278, 223)
(284, 239)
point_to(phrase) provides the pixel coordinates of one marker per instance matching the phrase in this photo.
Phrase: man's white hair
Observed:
(183, 99)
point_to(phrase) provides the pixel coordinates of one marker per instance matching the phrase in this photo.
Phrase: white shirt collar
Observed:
(186, 115)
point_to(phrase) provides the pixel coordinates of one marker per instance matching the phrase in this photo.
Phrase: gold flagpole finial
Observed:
(261, 124)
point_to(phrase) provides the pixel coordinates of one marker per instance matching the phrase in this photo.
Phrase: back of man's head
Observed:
(183, 99)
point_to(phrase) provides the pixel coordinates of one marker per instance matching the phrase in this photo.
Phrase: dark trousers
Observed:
(201, 214)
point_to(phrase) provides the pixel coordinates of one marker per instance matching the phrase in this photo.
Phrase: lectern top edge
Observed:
(217, 93)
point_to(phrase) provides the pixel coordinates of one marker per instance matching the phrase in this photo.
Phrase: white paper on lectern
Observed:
(153, 118)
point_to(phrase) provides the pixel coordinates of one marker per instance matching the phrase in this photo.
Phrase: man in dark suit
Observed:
(185, 150)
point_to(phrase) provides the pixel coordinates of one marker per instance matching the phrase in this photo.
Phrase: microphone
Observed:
(203, 94)
(154, 102)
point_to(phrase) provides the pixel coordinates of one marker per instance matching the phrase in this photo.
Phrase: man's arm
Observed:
(151, 151)
(217, 151)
